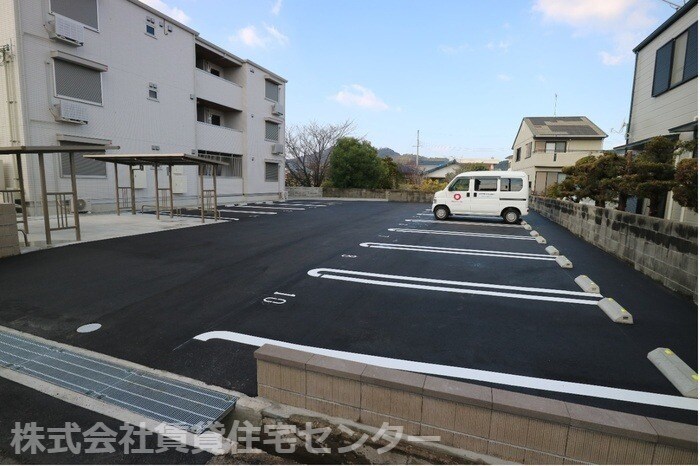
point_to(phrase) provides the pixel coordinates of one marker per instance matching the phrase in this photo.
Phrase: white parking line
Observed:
(223, 219)
(293, 204)
(270, 208)
(397, 281)
(501, 378)
(460, 233)
(247, 212)
(464, 223)
(466, 252)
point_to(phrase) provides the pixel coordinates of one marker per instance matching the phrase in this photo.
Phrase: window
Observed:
(83, 167)
(153, 91)
(150, 30)
(271, 171)
(272, 91)
(233, 169)
(215, 72)
(83, 11)
(528, 150)
(460, 184)
(556, 146)
(676, 62)
(517, 154)
(511, 184)
(485, 184)
(215, 120)
(77, 82)
(272, 131)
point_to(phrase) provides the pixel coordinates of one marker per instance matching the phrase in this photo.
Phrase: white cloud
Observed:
(175, 13)
(626, 22)
(355, 95)
(276, 7)
(252, 37)
(504, 77)
(454, 49)
(502, 45)
(541, 78)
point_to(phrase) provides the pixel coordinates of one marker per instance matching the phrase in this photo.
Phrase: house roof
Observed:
(666, 24)
(442, 165)
(569, 127)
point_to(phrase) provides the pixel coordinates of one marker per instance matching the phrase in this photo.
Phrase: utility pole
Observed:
(417, 148)
(555, 104)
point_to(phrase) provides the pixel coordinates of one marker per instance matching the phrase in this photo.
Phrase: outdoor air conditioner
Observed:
(67, 30)
(71, 112)
(277, 109)
(82, 207)
(278, 149)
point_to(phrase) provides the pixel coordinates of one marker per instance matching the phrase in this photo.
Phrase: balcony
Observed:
(218, 90)
(219, 139)
(552, 159)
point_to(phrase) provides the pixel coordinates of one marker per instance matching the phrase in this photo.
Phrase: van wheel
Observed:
(511, 215)
(441, 212)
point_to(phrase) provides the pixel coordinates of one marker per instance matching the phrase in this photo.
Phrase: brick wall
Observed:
(9, 241)
(508, 425)
(665, 250)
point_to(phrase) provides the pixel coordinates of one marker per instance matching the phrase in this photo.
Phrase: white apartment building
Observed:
(544, 145)
(117, 72)
(665, 95)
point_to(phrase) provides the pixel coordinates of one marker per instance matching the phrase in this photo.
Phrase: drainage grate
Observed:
(185, 405)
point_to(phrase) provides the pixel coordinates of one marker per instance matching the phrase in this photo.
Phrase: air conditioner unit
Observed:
(277, 109)
(71, 112)
(67, 30)
(278, 149)
(83, 206)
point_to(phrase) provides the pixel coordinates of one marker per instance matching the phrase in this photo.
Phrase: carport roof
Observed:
(54, 149)
(154, 159)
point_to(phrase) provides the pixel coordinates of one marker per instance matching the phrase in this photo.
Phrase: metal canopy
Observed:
(164, 196)
(60, 197)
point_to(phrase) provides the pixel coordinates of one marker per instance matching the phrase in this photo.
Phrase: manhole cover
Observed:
(89, 328)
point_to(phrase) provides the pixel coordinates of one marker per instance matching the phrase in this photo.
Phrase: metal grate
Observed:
(174, 402)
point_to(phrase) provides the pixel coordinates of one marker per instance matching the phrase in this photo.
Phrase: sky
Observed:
(463, 72)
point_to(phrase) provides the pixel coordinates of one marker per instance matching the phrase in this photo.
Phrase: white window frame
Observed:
(87, 26)
(65, 97)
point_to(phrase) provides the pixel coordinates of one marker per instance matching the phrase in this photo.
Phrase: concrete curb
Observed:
(552, 251)
(564, 263)
(534, 233)
(540, 240)
(587, 284)
(615, 311)
(681, 375)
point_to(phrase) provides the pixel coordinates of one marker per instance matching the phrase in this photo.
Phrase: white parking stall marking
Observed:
(458, 251)
(478, 375)
(247, 212)
(294, 204)
(451, 286)
(222, 219)
(268, 208)
(464, 223)
(461, 233)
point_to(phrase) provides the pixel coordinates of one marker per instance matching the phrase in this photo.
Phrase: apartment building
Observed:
(544, 145)
(117, 72)
(665, 96)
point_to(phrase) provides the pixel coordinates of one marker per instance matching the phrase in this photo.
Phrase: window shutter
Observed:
(662, 69)
(272, 91)
(271, 171)
(272, 131)
(691, 53)
(83, 166)
(77, 82)
(83, 11)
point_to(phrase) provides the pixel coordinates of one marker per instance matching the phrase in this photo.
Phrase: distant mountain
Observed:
(386, 152)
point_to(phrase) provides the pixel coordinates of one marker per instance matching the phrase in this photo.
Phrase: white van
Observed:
(484, 193)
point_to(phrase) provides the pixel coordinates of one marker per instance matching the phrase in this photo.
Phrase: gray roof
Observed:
(568, 127)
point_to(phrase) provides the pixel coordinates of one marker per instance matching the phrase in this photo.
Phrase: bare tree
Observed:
(308, 151)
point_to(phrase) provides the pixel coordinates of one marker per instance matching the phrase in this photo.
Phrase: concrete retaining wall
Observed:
(392, 195)
(664, 250)
(507, 425)
(9, 241)
(303, 191)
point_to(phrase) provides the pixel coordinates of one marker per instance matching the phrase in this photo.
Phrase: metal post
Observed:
(44, 199)
(22, 200)
(170, 181)
(133, 192)
(116, 185)
(201, 187)
(74, 189)
(216, 205)
(155, 170)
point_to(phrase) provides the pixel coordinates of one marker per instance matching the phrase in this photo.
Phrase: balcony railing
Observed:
(218, 90)
(554, 159)
(219, 139)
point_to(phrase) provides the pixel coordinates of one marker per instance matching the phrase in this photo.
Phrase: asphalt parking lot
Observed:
(370, 278)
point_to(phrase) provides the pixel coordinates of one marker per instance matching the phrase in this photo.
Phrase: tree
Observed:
(355, 164)
(392, 174)
(308, 149)
(685, 192)
(593, 177)
(651, 173)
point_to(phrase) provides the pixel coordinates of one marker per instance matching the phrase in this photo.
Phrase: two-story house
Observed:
(544, 145)
(118, 72)
(665, 95)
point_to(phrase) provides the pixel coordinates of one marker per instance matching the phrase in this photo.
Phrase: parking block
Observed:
(552, 251)
(587, 284)
(534, 233)
(540, 240)
(564, 262)
(527, 227)
(617, 313)
(682, 376)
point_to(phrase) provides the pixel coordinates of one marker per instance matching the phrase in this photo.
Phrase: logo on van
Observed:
(458, 197)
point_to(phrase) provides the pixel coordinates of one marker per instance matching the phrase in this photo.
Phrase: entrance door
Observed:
(484, 196)
(458, 201)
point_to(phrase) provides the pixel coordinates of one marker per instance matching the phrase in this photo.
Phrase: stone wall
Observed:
(303, 191)
(9, 241)
(507, 425)
(664, 250)
(392, 195)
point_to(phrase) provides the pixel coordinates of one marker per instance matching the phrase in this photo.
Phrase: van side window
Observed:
(511, 184)
(462, 184)
(485, 184)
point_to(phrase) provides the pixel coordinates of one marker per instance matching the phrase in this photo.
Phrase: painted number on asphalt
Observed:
(349, 256)
(276, 299)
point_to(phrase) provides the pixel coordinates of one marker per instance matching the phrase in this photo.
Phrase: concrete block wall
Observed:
(9, 241)
(507, 425)
(392, 195)
(303, 191)
(664, 250)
